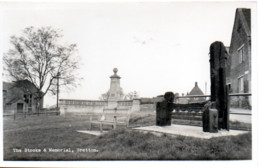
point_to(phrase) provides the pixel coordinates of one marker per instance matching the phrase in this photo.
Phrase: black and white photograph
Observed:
(146, 81)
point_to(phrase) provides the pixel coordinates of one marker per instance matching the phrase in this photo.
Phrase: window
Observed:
(241, 84)
(229, 88)
(4, 93)
(30, 100)
(4, 96)
(241, 54)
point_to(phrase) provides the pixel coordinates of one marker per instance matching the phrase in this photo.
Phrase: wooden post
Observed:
(219, 92)
(227, 110)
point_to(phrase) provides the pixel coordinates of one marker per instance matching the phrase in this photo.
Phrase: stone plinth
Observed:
(112, 104)
(136, 105)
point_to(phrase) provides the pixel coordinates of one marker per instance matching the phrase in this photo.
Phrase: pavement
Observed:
(241, 115)
(174, 129)
(96, 133)
(241, 118)
(190, 131)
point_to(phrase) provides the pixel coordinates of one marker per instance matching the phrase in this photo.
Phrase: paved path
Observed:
(97, 133)
(185, 130)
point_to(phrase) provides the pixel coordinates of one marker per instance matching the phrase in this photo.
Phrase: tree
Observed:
(131, 95)
(128, 96)
(104, 96)
(37, 56)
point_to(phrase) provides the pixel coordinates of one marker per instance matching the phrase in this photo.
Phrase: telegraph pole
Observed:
(205, 88)
(58, 77)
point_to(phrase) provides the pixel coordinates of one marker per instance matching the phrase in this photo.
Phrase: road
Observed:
(242, 115)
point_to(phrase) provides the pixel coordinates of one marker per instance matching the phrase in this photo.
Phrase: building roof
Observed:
(14, 100)
(7, 85)
(247, 16)
(243, 15)
(196, 90)
(242, 20)
(23, 84)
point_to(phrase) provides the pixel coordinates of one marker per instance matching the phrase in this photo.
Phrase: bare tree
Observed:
(131, 95)
(128, 96)
(104, 96)
(37, 56)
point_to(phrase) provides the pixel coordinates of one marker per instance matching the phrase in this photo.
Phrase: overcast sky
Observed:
(157, 47)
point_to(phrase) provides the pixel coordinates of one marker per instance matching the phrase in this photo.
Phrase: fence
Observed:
(194, 111)
(25, 114)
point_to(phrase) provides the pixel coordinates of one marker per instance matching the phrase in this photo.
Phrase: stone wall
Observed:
(147, 108)
(73, 106)
(81, 106)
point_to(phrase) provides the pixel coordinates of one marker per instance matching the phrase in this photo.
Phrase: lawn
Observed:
(57, 139)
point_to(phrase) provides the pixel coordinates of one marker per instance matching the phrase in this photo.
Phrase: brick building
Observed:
(20, 97)
(239, 75)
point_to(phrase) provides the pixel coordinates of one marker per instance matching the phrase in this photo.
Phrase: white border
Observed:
(211, 164)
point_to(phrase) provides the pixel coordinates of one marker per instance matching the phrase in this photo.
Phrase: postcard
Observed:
(112, 84)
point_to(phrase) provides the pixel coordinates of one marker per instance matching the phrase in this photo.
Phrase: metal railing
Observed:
(231, 94)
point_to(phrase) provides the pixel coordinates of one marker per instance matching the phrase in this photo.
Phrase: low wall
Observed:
(81, 106)
(147, 107)
(119, 110)
(74, 106)
(128, 103)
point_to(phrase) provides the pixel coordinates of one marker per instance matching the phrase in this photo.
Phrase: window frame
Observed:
(241, 54)
(241, 84)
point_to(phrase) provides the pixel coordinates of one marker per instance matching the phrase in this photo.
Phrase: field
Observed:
(56, 138)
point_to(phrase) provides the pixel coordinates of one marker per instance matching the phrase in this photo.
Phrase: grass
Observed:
(122, 144)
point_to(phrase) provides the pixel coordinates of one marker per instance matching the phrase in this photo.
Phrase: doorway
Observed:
(19, 107)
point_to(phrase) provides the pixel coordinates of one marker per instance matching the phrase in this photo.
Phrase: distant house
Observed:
(239, 75)
(196, 91)
(20, 97)
(179, 100)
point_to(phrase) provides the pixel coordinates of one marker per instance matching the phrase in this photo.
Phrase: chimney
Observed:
(196, 83)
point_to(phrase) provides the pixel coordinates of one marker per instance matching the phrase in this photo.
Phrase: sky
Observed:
(156, 46)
